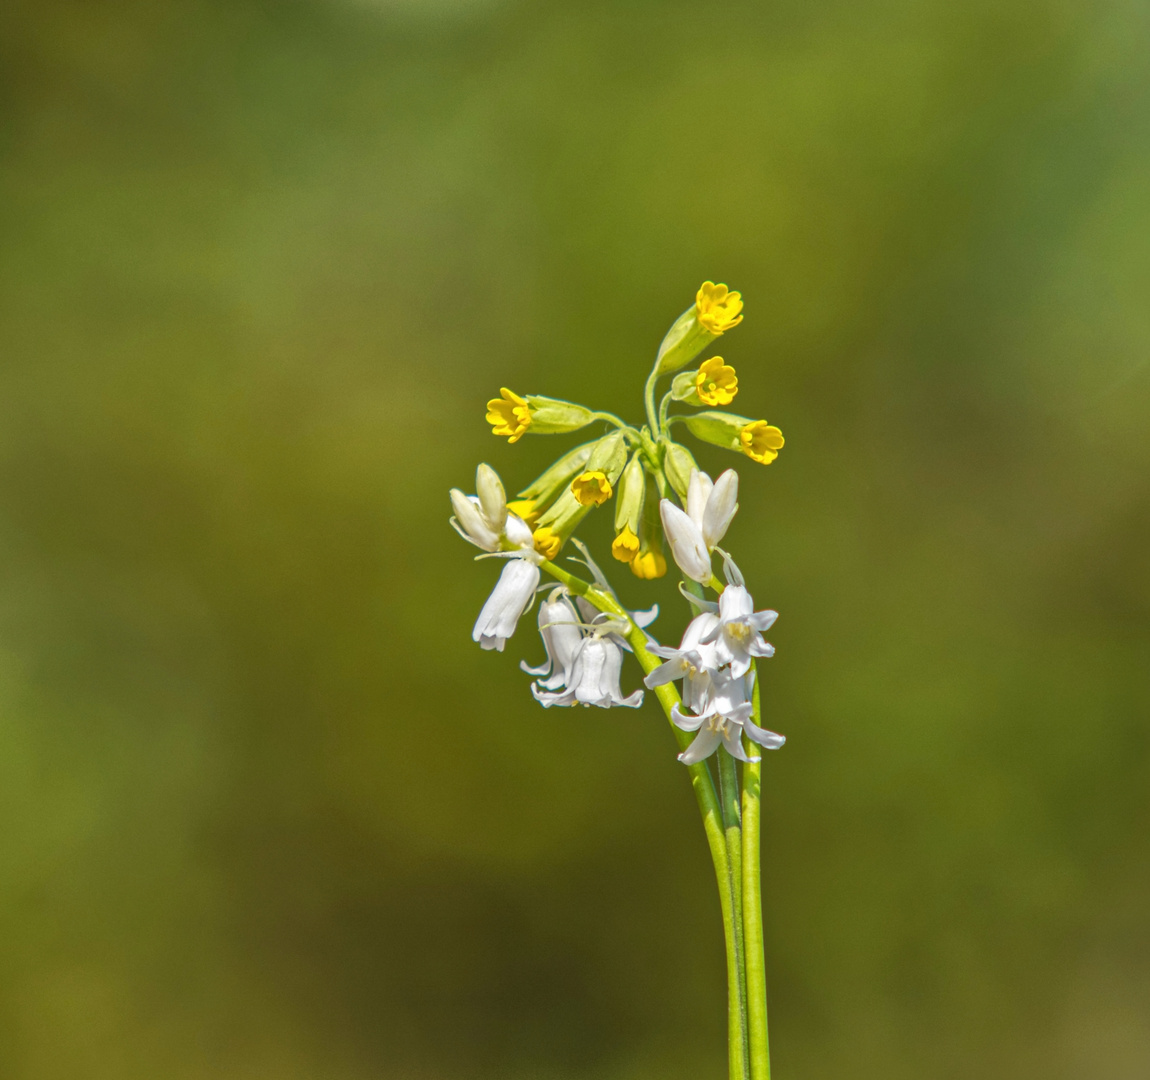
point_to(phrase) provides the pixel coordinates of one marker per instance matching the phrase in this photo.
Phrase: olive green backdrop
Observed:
(266, 811)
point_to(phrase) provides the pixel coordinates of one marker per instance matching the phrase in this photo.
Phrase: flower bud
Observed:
(757, 439)
(649, 562)
(629, 505)
(683, 388)
(716, 310)
(549, 416)
(492, 498)
(538, 495)
(687, 546)
(513, 416)
(609, 455)
(558, 522)
(678, 464)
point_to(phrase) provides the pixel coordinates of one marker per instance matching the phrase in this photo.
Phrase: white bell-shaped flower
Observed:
(511, 597)
(737, 634)
(562, 635)
(594, 678)
(693, 533)
(692, 662)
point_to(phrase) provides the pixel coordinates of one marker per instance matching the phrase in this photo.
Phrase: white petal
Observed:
(687, 547)
(720, 508)
(472, 522)
(705, 744)
(698, 492)
(632, 701)
(665, 673)
(542, 669)
(492, 498)
(759, 647)
(686, 723)
(733, 741)
(768, 740)
(763, 620)
(735, 603)
(518, 532)
(643, 619)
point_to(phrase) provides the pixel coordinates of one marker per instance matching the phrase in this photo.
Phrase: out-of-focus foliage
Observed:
(267, 812)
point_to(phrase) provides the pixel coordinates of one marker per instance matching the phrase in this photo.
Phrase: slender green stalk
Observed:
(753, 913)
(628, 431)
(737, 979)
(649, 399)
(709, 809)
(664, 405)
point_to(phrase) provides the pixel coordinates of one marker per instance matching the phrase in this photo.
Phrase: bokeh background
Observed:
(266, 811)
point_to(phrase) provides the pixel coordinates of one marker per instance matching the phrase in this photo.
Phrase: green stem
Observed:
(649, 398)
(709, 807)
(753, 912)
(664, 405)
(628, 431)
(737, 979)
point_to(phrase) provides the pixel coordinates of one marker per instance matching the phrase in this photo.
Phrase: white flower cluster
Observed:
(714, 662)
(584, 658)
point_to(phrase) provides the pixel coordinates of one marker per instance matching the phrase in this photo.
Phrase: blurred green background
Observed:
(267, 812)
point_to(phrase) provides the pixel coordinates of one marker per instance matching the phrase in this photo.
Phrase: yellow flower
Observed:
(591, 488)
(761, 441)
(716, 382)
(509, 415)
(528, 509)
(649, 565)
(547, 542)
(716, 308)
(625, 546)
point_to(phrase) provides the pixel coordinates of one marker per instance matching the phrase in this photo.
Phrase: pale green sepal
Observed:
(558, 476)
(609, 456)
(563, 515)
(684, 388)
(550, 416)
(683, 342)
(678, 463)
(718, 428)
(629, 496)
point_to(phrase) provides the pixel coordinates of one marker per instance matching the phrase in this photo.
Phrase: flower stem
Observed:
(649, 399)
(737, 978)
(709, 809)
(753, 914)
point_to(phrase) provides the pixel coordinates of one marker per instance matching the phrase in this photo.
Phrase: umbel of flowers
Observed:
(708, 685)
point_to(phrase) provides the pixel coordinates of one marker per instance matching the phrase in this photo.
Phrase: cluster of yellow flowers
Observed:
(637, 465)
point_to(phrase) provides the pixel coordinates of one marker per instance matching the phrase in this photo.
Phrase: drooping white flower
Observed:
(737, 635)
(594, 678)
(511, 597)
(693, 533)
(483, 519)
(692, 662)
(562, 635)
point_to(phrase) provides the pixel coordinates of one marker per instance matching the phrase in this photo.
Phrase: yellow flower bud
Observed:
(547, 542)
(649, 565)
(625, 547)
(715, 311)
(591, 488)
(528, 509)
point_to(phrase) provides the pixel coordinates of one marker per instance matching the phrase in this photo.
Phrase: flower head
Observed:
(509, 415)
(761, 441)
(484, 519)
(716, 308)
(716, 382)
(511, 597)
(547, 541)
(649, 565)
